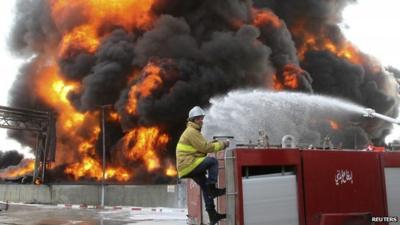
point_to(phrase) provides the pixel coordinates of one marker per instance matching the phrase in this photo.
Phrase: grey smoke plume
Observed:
(34, 30)
(203, 49)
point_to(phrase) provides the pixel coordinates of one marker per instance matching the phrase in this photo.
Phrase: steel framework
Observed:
(43, 125)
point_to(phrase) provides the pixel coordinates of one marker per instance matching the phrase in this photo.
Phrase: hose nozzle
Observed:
(369, 113)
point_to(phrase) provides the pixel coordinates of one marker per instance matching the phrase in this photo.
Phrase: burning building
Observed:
(152, 60)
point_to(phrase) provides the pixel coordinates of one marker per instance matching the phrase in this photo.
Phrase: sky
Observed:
(9, 69)
(369, 25)
(372, 25)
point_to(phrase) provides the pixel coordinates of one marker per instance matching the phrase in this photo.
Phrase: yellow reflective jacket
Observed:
(192, 148)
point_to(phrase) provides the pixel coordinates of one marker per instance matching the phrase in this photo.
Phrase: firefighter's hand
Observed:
(226, 143)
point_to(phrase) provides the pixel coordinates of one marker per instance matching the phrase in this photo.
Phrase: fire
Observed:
(114, 116)
(116, 10)
(25, 167)
(139, 144)
(128, 14)
(276, 83)
(54, 91)
(171, 171)
(87, 146)
(290, 74)
(101, 11)
(88, 167)
(321, 42)
(334, 125)
(95, 42)
(119, 173)
(61, 90)
(144, 88)
(142, 143)
(83, 38)
(52, 88)
(261, 17)
(92, 168)
(38, 181)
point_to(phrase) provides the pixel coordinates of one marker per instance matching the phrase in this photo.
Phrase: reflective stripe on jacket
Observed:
(192, 148)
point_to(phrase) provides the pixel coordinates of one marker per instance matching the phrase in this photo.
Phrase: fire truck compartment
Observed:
(270, 199)
(392, 178)
(305, 187)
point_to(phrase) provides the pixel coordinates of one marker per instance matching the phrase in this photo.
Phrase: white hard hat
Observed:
(196, 111)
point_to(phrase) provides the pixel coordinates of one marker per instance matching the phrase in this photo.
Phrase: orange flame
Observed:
(334, 125)
(171, 171)
(25, 167)
(83, 37)
(38, 181)
(321, 41)
(290, 74)
(54, 91)
(142, 143)
(78, 132)
(87, 146)
(97, 13)
(145, 87)
(119, 174)
(114, 116)
(276, 83)
(89, 167)
(262, 17)
(139, 144)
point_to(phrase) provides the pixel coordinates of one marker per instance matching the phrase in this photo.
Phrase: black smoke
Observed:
(366, 83)
(110, 71)
(10, 158)
(203, 48)
(193, 73)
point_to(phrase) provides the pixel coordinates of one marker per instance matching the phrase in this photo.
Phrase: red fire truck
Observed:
(281, 186)
(287, 185)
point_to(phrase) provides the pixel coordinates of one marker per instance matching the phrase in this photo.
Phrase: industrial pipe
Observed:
(372, 114)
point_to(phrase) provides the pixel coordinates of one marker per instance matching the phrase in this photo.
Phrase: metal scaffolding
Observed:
(43, 125)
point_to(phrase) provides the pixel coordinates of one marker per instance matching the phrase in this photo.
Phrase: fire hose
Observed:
(371, 113)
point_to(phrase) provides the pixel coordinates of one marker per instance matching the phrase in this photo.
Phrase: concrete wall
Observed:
(128, 195)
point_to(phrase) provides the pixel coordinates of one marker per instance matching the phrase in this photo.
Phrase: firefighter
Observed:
(193, 162)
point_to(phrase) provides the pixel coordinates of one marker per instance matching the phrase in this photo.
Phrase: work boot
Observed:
(214, 192)
(215, 216)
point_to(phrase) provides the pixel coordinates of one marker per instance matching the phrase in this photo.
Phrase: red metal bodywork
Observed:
(323, 194)
(322, 200)
(390, 159)
(251, 157)
(221, 203)
(194, 203)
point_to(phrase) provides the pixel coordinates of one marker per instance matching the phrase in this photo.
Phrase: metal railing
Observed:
(42, 124)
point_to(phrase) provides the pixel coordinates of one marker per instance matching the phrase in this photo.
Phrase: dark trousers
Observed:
(209, 166)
